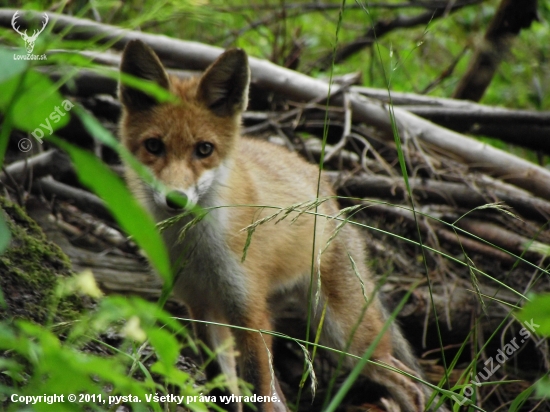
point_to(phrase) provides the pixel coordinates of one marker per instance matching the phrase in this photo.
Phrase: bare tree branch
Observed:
(318, 6)
(43, 164)
(383, 27)
(510, 18)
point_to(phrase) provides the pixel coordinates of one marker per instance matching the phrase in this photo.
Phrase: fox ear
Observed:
(140, 60)
(224, 86)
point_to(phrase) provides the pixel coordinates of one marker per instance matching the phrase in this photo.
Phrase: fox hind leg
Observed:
(355, 317)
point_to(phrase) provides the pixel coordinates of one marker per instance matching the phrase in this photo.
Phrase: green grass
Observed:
(397, 62)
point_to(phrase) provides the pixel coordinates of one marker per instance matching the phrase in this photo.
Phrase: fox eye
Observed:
(154, 146)
(204, 149)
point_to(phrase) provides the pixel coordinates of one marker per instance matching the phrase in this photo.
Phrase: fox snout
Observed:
(171, 201)
(176, 200)
(174, 196)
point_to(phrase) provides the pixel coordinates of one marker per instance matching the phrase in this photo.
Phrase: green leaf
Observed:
(10, 67)
(5, 237)
(154, 90)
(37, 105)
(8, 339)
(5, 234)
(538, 311)
(81, 373)
(124, 207)
(520, 399)
(542, 386)
(97, 130)
(166, 346)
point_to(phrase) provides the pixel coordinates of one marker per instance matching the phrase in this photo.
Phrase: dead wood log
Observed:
(115, 274)
(524, 128)
(413, 99)
(30, 269)
(480, 113)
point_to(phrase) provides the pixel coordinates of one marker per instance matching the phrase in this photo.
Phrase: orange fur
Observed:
(242, 173)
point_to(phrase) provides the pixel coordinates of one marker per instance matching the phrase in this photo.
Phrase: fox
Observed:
(193, 146)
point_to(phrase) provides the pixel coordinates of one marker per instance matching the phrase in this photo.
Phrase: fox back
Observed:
(194, 149)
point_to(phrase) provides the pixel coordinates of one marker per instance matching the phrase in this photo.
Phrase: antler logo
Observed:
(29, 40)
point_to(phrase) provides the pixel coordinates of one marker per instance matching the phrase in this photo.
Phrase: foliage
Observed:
(37, 361)
(410, 61)
(52, 359)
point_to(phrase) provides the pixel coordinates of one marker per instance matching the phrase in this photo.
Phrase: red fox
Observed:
(194, 148)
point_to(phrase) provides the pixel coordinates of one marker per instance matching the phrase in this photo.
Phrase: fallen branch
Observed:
(506, 239)
(82, 199)
(433, 191)
(525, 128)
(115, 274)
(50, 162)
(443, 234)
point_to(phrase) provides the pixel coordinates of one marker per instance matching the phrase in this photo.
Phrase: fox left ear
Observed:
(224, 86)
(140, 61)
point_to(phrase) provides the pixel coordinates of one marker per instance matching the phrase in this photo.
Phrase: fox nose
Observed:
(176, 199)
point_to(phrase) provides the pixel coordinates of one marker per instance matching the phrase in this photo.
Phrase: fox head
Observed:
(186, 143)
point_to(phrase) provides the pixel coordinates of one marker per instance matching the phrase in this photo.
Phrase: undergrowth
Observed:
(38, 360)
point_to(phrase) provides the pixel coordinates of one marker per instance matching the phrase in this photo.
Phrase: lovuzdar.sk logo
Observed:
(29, 40)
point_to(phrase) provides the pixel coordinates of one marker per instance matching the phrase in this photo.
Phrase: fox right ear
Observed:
(140, 61)
(224, 86)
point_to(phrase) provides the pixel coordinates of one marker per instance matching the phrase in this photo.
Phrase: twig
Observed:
(82, 199)
(347, 130)
(97, 228)
(368, 147)
(501, 237)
